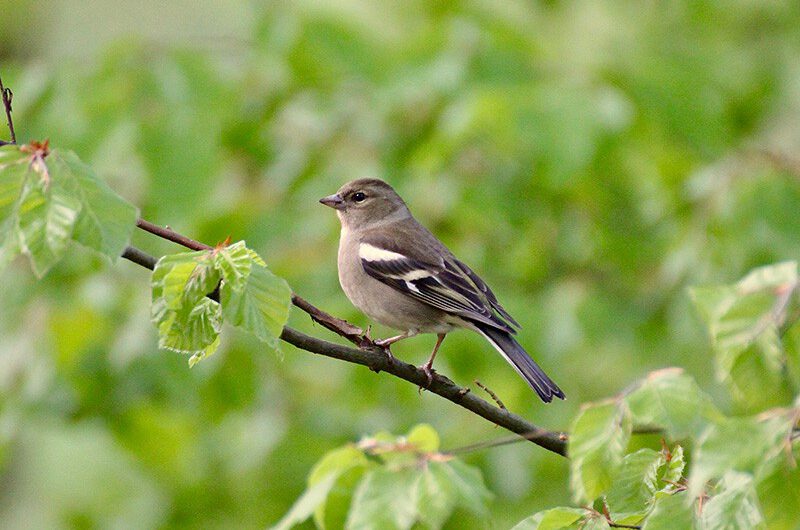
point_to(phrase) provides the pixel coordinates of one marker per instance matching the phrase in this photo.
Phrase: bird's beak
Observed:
(334, 201)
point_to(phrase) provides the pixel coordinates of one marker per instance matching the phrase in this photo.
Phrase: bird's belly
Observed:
(389, 306)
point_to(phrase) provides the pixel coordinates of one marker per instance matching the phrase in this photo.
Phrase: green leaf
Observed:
(14, 168)
(47, 216)
(252, 297)
(674, 469)
(436, 496)
(338, 462)
(735, 506)
(234, 262)
(672, 400)
(198, 355)
(408, 484)
(599, 437)
(743, 320)
(321, 482)
(470, 491)
(46, 198)
(106, 220)
(552, 519)
(671, 512)
(740, 444)
(424, 438)
(635, 484)
(778, 491)
(187, 321)
(385, 499)
(791, 343)
(307, 504)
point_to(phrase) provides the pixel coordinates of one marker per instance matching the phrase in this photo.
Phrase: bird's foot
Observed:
(384, 345)
(429, 372)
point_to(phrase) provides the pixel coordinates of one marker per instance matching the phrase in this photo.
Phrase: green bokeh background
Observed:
(589, 159)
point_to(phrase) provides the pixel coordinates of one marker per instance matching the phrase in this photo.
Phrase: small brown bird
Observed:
(395, 271)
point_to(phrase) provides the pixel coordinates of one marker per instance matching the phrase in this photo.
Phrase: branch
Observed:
(375, 358)
(7, 96)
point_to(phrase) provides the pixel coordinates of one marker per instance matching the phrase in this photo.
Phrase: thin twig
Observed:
(491, 394)
(376, 359)
(507, 440)
(7, 96)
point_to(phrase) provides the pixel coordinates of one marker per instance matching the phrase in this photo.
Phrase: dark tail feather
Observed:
(522, 362)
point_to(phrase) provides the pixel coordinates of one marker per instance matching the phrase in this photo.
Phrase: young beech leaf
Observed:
(673, 472)
(234, 262)
(740, 444)
(778, 491)
(252, 297)
(671, 512)
(635, 484)
(307, 504)
(553, 519)
(670, 399)
(347, 465)
(743, 320)
(322, 482)
(421, 490)
(49, 197)
(424, 438)
(13, 171)
(106, 220)
(47, 217)
(37, 217)
(187, 320)
(385, 499)
(600, 434)
(734, 506)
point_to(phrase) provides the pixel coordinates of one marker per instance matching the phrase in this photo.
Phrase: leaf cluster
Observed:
(389, 482)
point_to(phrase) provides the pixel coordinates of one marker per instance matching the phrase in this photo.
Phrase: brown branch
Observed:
(139, 257)
(7, 96)
(165, 232)
(376, 359)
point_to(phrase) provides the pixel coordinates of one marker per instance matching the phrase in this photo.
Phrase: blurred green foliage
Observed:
(589, 160)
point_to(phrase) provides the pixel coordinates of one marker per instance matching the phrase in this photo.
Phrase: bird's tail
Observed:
(511, 350)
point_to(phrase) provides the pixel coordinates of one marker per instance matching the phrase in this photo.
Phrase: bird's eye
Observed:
(359, 196)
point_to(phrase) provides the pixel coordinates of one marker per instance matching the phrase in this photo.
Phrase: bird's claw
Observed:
(385, 347)
(429, 372)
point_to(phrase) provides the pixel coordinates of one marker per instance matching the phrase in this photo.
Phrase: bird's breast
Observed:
(381, 302)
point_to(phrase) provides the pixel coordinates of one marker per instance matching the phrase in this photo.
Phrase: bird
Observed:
(399, 274)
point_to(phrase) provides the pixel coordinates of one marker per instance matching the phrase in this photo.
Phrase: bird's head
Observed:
(365, 203)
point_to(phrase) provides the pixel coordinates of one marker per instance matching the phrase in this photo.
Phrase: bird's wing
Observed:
(436, 279)
(487, 292)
